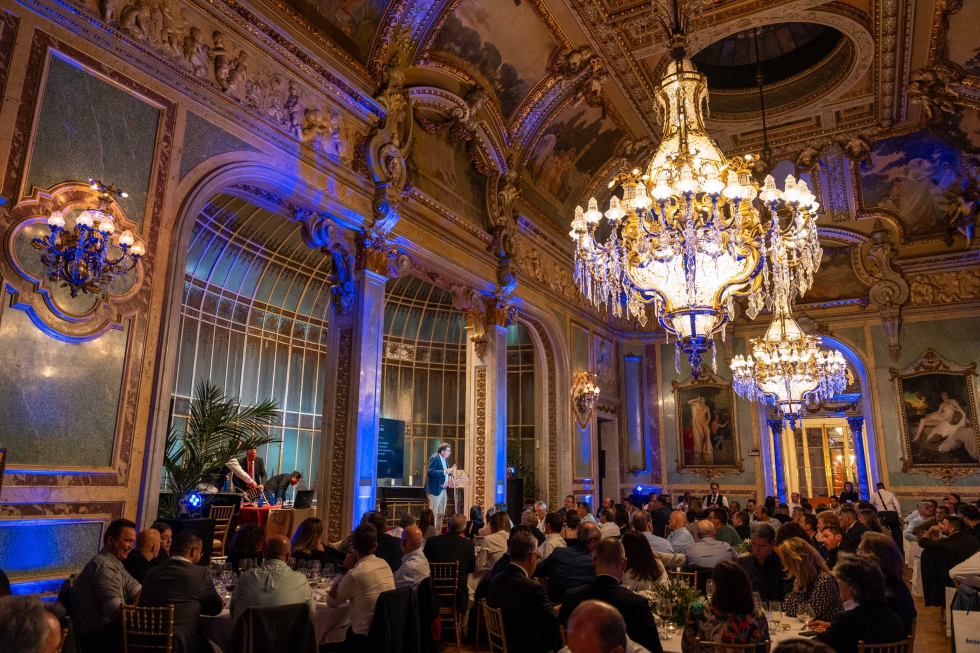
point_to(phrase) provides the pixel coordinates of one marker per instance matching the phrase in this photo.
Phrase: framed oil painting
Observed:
(938, 410)
(707, 433)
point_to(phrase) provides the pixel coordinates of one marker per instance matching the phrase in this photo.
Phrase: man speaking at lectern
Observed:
(436, 478)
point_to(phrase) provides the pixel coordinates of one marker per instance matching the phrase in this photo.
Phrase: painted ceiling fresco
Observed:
(505, 47)
(961, 42)
(836, 279)
(444, 173)
(350, 23)
(577, 142)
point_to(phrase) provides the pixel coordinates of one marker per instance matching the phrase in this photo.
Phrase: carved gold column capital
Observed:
(374, 252)
(499, 311)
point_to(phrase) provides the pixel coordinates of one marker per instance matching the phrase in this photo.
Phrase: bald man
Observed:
(596, 627)
(140, 559)
(680, 538)
(274, 583)
(414, 568)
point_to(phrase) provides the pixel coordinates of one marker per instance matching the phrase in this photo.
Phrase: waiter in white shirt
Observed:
(715, 499)
(885, 500)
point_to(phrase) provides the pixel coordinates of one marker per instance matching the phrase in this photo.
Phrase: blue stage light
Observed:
(194, 500)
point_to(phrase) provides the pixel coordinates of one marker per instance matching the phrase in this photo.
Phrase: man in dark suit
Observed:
(764, 567)
(140, 560)
(530, 623)
(659, 516)
(253, 466)
(181, 582)
(610, 565)
(572, 566)
(871, 621)
(389, 547)
(853, 529)
(275, 487)
(453, 547)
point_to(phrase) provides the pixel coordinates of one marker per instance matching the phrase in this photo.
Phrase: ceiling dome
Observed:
(781, 50)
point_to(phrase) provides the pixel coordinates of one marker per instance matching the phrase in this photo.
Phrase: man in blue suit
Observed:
(437, 475)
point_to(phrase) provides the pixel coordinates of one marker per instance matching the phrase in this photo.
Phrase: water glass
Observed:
(777, 613)
(709, 588)
(664, 610)
(805, 613)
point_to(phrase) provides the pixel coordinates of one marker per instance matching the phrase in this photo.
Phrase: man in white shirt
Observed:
(708, 551)
(404, 522)
(927, 510)
(584, 513)
(968, 571)
(414, 568)
(540, 510)
(367, 578)
(642, 524)
(885, 500)
(794, 502)
(716, 499)
(680, 538)
(273, 583)
(607, 526)
(552, 535)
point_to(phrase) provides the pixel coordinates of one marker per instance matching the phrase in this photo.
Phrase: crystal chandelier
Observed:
(789, 370)
(585, 395)
(80, 257)
(694, 230)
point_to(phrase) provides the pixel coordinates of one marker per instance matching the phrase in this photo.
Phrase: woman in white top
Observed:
(643, 569)
(495, 544)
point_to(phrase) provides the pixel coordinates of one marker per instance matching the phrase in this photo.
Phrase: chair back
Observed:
(689, 577)
(395, 626)
(275, 628)
(495, 628)
(148, 630)
(64, 593)
(222, 522)
(904, 646)
(722, 647)
(445, 579)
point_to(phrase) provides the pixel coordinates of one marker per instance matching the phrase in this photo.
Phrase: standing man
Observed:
(275, 487)
(436, 478)
(253, 466)
(884, 500)
(715, 499)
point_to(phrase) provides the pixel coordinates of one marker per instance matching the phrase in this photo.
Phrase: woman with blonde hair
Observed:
(812, 581)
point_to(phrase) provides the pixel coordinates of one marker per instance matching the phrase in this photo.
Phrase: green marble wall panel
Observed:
(561, 317)
(743, 409)
(58, 400)
(854, 335)
(203, 140)
(955, 340)
(31, 548)
(580, 350)
(89, 128)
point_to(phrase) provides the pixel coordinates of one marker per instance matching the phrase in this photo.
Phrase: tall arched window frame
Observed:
(522, 436)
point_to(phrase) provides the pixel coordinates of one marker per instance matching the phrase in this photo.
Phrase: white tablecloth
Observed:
(331, 625)
(673, 645)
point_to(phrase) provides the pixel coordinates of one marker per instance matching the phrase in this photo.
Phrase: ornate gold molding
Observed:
(341, 412)
(481, 435)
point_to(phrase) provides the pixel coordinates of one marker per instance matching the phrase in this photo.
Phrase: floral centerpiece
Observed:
(743, 548)
(681, 596)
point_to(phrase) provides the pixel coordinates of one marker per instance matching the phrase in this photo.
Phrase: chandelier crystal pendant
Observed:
(694, 231)
(788, 369)
(81, 257)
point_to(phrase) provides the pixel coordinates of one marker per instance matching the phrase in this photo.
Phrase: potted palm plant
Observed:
(219, 429)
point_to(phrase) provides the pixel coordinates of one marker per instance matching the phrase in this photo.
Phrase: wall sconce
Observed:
(585, 395)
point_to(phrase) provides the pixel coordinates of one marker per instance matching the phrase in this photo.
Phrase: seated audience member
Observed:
(930, 514)
(552, 535)
(708, 551)
(568, 507)
(570, 529)
(453, 546)
(404, 522)
(740, 522)
(246, 544)
(530, 520)
(734, 507)
(584, 513)
(644, 570)
(870, 519)
(763, 516)
(28, 625)
(731, 617)
(414, 568)
(307, 544)
(596, 627)
(427, 523)
(272, 583)
(971, 516)
(693, 517)
(166, 537)
(644, 525)
(659, 511)
(622, 520)
(853, 529)
(831, 538)
(883, 550)
(530, 623)
(485, 530)
(782, 514)
(495, 544)
(540, 511)
(572, 566)
(475, 522)
(140, 559)
(723, 532)
(388, 548)
(367, 578)
(101, 590)
(792, 529)
(610, 564)
(187, 586)
(764, 568)
(848, 494)
(680, 538)
(867, 617)
(809, 524)
(950, 537)
(812, 581)
(607, 523)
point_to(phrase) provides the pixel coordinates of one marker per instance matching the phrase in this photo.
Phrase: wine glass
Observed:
(805, 613)
(709, 588)
(766, 608)
(664, 610)
(777, 612)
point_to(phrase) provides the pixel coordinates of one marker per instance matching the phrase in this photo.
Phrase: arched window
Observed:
(522, 450)
(423, 375)
(253, 320)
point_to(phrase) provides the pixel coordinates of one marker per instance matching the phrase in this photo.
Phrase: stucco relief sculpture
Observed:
(320, 231)
(944, 287)
(385, 150)
(890, 290)
(933, 90)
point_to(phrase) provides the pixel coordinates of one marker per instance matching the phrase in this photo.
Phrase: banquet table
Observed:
(254, 515)
(285, 521)
(331, 625)
(673, 645)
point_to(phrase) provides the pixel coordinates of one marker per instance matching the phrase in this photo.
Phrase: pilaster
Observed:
(856, 425)
(776, 427)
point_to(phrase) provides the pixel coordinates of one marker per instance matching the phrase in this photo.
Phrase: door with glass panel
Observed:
(824, 456)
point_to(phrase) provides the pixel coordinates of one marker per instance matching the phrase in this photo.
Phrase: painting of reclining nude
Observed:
(939, 414)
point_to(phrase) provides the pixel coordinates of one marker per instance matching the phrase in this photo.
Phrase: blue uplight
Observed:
(194, 500)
